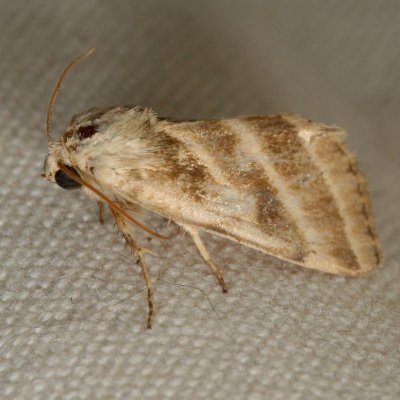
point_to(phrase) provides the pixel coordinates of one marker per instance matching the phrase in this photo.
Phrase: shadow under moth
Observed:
(278, 183)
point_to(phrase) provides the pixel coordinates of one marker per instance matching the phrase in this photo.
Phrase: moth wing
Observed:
(279, 183)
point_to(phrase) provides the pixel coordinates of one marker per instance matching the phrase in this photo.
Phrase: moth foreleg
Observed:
(149, 285)
(206, 256)
(138, 253)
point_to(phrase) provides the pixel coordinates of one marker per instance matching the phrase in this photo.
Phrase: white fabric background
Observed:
(72, 309)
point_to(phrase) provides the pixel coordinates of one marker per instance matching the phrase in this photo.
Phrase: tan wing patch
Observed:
(182, 167)
(247, 176)
(306, 182)
(219, 147)
(350, 189)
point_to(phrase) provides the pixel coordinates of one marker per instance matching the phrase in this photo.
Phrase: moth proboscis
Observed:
(278, 183)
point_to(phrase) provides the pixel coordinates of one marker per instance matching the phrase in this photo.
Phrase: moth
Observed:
(280, 183)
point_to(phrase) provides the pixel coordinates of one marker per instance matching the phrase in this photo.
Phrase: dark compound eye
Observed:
(64, 181)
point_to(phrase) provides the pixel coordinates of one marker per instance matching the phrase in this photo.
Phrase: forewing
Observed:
(278, 183)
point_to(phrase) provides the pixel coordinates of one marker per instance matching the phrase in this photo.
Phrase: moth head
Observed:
(56, 168)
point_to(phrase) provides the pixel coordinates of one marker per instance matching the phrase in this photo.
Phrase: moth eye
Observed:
(64, 181)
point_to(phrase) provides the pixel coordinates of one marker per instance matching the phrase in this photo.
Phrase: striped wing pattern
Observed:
(279, 183)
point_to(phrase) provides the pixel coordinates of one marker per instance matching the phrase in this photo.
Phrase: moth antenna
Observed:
(56, 89)
(112, 204)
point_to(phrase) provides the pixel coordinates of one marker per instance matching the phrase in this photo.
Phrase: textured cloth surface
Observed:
(73, 308)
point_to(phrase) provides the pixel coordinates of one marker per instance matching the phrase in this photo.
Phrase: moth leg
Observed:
(207, 258)
(138, 253)
(149, 284)
(101, 212)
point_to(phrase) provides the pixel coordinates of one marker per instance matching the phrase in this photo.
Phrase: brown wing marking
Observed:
(351, 193)
(306, 184)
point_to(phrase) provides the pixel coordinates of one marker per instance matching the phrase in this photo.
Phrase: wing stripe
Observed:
(282, 185)
(309, 200)
(250, 179)
(253, 190)
(350, 190)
